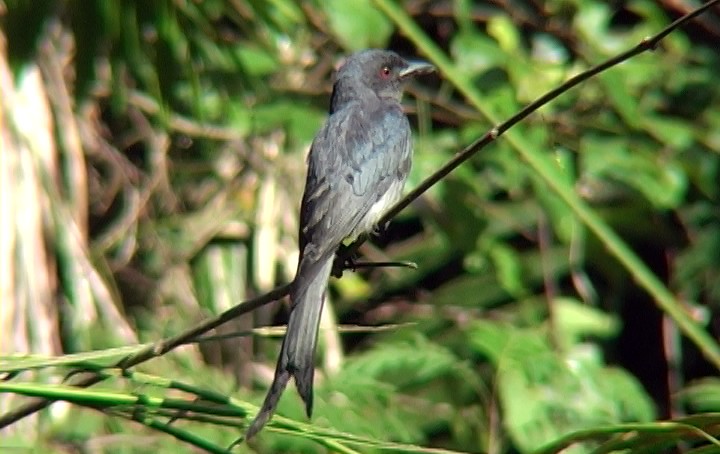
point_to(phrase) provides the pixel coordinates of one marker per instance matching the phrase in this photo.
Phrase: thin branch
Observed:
(644, 45)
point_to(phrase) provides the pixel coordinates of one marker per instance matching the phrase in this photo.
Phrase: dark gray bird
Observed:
(357, 167)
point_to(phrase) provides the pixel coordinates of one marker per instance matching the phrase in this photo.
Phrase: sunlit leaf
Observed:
(357, 24)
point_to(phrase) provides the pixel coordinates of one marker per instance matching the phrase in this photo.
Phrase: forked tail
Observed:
(297, 354)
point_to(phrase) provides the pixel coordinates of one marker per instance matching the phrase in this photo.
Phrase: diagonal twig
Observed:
(462, 156)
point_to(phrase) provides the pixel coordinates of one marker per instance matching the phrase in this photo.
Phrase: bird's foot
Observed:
(344, 260)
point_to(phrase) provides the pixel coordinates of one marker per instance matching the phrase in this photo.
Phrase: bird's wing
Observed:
(354, 160)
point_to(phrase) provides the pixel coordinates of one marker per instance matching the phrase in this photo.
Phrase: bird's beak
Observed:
(416, 67)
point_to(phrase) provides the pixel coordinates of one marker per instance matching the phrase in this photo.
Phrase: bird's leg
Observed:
(344, 260)
(381, 229)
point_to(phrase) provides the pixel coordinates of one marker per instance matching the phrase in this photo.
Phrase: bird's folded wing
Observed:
(353, 161)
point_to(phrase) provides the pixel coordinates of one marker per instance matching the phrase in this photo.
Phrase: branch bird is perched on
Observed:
(357, 167)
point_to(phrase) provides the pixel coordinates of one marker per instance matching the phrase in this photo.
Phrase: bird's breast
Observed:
(379, 208)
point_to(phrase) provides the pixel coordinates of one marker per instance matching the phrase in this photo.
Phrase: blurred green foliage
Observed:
(195, 118)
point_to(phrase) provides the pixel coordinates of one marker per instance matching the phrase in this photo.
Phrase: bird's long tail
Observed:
(298, 348)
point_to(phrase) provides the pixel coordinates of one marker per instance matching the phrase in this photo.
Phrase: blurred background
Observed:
(151, 167)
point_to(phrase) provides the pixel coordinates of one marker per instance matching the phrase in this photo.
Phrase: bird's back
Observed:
(357, 168)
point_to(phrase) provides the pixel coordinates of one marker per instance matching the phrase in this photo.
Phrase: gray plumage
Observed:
(357, 166)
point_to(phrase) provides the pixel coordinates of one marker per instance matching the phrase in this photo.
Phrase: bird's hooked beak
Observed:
(415, 68)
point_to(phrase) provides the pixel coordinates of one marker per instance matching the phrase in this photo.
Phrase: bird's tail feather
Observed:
(298, 348)
(301, 337)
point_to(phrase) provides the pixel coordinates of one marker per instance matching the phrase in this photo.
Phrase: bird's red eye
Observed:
(385, 72)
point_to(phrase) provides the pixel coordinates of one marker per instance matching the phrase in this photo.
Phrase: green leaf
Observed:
(575, 321)
(256, 61)
(703, 395)
(300, 121)
(475, 53)
(505, 33)
(628, 399)
(674, 132)
(357, 24)
(546, 395)
(391, 362)
(620, 96)
(509, 269)
(662, 183)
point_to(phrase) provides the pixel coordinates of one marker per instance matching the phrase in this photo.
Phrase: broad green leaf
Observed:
(674, 133)
(475, 53)
(505, 33)
(357, 24)
(256, 61)
(300, 122)
(546, 395)
(509, 269)
(662, 183)
(575, 321)
(703, 395)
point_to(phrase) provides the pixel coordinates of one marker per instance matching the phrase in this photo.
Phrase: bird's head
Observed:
(382, 71)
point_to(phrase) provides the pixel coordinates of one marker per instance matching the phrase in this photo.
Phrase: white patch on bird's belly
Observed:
(379, 208)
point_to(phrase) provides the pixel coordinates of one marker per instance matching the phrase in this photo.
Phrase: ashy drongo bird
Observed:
(357, 166)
